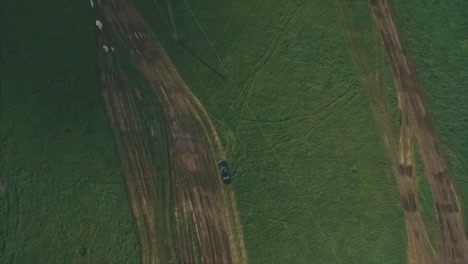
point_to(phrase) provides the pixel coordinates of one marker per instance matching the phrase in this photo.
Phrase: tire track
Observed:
(419, 248)
(454, 243)
(203, 231)
(248, 83)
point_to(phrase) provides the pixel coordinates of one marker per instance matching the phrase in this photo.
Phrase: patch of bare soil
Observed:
(204, 229)
(454, 244)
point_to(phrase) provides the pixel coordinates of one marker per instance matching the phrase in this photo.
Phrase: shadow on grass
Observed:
(196, 56)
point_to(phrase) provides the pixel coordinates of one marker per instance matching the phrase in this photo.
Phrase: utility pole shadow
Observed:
(196, 56)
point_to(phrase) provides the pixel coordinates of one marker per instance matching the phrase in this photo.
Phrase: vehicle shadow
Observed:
(227, 182)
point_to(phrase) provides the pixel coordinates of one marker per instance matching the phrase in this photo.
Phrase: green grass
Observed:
(312, 176)
(436, 37)
(64, 199)
(373, 67)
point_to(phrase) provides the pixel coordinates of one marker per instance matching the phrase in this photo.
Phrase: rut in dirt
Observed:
(180, 211)
(453, 246)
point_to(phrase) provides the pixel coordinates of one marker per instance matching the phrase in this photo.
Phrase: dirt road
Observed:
(203, 212)
(454, 244)
(367, 64)
(420, 249)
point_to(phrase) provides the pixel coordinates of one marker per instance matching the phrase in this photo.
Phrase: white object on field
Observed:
(92, 3)
(136, 35)
(112, 48)
(99, 24)
(106, 49)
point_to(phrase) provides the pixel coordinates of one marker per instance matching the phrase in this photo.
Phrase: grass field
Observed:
(62, 198)
(313, 180)
(436, 37)
(291, 87)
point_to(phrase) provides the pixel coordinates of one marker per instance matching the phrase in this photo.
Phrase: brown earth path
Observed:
(368, 64)
(454, 244)
(133, 143)
(420, 249)
(207, 228)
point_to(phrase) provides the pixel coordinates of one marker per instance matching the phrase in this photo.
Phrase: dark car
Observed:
(224, 171)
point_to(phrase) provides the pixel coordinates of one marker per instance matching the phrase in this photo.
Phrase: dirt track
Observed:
(454, 244)
(206, 228)
(420, 249)
(367, 64)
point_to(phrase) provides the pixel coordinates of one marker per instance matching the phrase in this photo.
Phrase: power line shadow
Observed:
(195, 55)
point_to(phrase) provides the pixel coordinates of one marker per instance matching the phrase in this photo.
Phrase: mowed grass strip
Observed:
(436, 37)
(63, 199)
(313, 181)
